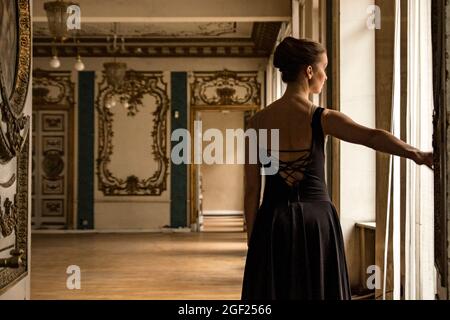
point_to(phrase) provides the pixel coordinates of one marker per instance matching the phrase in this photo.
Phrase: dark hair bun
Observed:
(292, 54)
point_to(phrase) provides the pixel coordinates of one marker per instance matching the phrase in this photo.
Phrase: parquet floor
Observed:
(154, 266)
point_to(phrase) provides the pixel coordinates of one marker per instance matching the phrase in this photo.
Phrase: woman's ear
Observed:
(309, 72)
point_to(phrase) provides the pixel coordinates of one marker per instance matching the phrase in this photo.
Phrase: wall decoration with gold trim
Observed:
(225, 88)
(15, 48)
(53, 149)
(147, 97)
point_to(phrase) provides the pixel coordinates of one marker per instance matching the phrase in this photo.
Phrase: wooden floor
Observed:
(139, 266)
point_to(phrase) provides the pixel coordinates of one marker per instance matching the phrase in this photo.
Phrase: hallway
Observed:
(154, 266)
(128, 144)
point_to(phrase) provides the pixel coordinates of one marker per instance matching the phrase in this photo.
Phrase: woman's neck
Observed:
(297, 90)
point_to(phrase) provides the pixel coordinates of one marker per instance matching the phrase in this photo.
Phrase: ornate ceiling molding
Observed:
(260, 44)
(155, 30)
(142, 83)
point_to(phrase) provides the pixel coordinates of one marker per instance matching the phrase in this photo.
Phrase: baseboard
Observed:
(160, 230)
(223, 213)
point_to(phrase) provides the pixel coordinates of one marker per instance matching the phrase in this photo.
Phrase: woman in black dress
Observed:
(295, 246)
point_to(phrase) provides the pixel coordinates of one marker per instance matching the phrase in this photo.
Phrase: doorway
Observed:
(218, 188)
(52, 168)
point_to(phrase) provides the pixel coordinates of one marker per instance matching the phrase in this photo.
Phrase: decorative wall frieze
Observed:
(143, 44)
(225, 88)
(53, 88)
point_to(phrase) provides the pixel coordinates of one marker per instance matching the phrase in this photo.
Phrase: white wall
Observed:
(358, 164)
(145, 212)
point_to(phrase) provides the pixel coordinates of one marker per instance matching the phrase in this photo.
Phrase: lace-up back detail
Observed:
(294, 171)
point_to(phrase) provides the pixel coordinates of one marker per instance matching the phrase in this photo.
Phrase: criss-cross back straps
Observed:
(294, 171)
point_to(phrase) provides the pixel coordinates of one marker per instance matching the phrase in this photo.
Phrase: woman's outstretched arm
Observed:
(343, 127)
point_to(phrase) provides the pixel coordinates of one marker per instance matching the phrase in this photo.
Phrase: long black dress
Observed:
(296, 250)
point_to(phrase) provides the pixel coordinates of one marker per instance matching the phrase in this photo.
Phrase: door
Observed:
(53, 149)
(51, 168)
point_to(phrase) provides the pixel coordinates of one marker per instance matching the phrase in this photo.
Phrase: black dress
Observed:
(296, 250)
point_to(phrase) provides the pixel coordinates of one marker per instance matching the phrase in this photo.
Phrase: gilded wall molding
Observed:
(16, 98)
(14, 221)
(225, 87)
(53, 150)
(15, 43)
(53, 88)
(135, 87)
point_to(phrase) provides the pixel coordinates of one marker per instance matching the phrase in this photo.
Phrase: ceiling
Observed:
(198, 30)
(239, 33)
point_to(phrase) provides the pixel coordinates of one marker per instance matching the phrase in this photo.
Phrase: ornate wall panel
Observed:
(15, 48)
(225, 88)
(53, 100)
(138, 89)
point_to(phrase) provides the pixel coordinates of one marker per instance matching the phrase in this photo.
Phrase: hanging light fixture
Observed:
(54, 62)
(115, 71)
(57, 16)
(79, 65)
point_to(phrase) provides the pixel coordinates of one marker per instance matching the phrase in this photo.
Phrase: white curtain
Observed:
(419, 229)
(394, 169)
(419, 246)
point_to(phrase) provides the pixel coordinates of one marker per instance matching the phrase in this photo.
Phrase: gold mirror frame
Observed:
(138, 84)
(14, 145)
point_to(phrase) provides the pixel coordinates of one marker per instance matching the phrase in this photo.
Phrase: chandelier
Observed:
(57, 17)
(115, 72)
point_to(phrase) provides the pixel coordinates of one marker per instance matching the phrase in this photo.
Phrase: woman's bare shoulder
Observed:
(264, 113)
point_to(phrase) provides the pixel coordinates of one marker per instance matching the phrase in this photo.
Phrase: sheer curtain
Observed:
(419, 246)
(419, 230)
(394, 169)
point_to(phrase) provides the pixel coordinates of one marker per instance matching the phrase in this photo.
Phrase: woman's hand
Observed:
(425, 158)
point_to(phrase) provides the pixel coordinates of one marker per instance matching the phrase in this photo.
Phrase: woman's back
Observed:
(296, 247)
(292, 117)
(294, 120)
